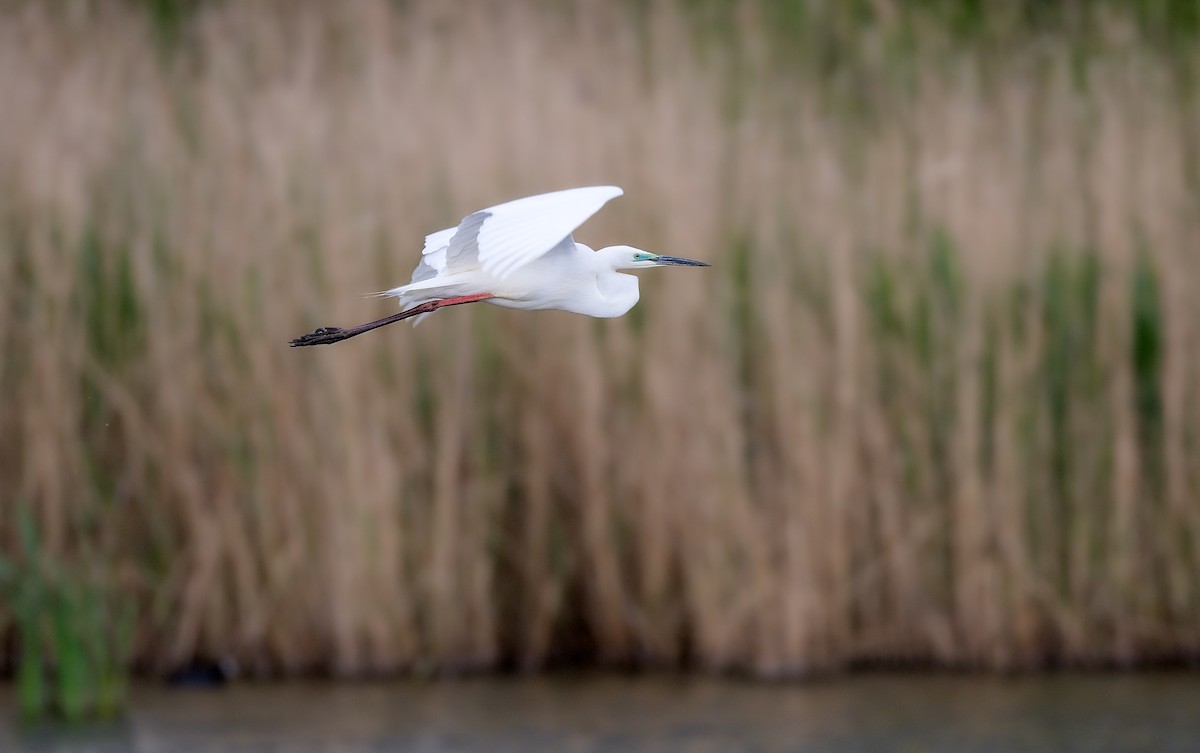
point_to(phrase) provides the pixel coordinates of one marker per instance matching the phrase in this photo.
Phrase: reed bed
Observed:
(937, 401)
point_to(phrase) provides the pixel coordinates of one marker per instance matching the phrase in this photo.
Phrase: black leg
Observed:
(330, 335)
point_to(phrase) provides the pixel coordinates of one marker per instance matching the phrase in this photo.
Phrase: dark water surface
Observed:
(1094, 712)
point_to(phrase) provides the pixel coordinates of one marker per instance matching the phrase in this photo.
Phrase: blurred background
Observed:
(935, 406)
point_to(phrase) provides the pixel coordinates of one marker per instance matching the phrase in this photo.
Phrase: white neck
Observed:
(616, 292)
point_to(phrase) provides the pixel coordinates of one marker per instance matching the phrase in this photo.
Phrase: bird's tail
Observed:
(423, 291)
(408, 299)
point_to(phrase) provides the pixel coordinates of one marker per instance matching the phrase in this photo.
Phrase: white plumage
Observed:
(520, 254)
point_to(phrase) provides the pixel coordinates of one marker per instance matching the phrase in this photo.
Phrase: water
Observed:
(927, 714)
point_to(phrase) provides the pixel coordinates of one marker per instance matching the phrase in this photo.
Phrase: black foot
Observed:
(320, 336)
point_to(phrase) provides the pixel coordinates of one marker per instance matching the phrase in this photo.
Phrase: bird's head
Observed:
(628, 257)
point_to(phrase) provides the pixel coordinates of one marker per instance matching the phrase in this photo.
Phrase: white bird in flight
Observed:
(519, 255)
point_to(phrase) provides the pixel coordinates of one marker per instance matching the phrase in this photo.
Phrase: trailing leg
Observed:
(330, 335)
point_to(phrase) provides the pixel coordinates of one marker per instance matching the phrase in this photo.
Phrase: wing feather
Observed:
(438, 240)
(433, 257)
(504, 237)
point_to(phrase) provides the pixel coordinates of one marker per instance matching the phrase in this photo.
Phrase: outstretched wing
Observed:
(507, 236)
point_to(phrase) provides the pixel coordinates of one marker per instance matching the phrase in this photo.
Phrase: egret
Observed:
(519, 255)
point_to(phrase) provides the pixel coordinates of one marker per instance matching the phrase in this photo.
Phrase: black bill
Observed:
(676, 261)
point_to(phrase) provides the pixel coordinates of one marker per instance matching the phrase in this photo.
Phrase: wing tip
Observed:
(614, 191)
(608, 190)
